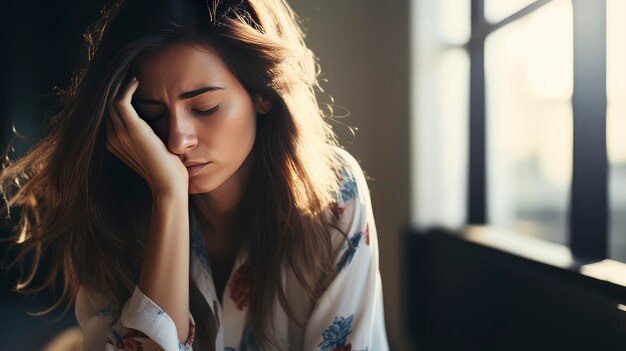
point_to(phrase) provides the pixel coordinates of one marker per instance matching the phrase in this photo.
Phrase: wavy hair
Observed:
(91, 211)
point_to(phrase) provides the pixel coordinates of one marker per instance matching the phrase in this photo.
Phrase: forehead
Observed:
(180, 65)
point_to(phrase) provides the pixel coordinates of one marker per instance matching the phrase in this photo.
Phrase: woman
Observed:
(194, 196)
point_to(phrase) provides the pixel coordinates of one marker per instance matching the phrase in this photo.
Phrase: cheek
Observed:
(239, 126)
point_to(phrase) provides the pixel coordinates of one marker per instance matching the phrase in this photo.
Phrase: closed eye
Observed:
(207, 112)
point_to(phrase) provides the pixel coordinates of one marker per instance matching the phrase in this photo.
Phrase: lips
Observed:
(194, 169)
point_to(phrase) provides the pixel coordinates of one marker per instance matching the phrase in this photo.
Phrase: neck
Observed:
(216, 210)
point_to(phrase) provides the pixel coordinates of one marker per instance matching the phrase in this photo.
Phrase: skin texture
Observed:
(156, 132)
(224, 137)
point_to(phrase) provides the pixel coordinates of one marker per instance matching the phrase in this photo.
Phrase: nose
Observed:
(182, 134)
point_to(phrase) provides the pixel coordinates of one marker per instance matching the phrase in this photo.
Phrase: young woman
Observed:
(193, 194)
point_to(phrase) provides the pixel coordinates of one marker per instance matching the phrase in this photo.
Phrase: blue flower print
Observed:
(106, 311)
(348, 254)
(348, 187)
(198, 249)
(248, 341)
(336, 334)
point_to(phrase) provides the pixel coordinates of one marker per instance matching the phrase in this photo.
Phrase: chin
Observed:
(201, 184)
(201, 189)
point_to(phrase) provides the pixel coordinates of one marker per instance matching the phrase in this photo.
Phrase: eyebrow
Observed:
(184, 96)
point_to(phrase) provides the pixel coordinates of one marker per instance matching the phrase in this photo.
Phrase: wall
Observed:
(363, 50)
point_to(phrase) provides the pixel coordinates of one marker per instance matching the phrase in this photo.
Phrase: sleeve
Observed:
(349, 314)
(140, 319)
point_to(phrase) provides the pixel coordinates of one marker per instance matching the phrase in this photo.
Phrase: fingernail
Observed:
(133, 79)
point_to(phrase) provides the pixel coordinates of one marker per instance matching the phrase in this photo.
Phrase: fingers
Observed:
(112, 143)
(121, 110)
(121, 119)
(115, 144)
(123, 104)
(128, 90)
(117, 121)
(126, 131)
(115, 125)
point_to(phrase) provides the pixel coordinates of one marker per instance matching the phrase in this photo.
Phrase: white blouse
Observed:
(349, 314)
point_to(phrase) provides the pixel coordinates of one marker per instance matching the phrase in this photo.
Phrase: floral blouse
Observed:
(348, 316)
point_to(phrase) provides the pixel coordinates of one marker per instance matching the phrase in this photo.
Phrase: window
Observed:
(528, 91)
(616, 126)
(521, 120)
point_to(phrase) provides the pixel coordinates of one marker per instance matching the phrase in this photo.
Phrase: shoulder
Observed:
(353, 210)
(352, 183)
(353, 190)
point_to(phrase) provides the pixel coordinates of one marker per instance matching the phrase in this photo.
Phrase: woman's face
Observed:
(199, 109)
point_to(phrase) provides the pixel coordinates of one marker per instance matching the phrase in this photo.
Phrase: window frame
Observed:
(588, 219)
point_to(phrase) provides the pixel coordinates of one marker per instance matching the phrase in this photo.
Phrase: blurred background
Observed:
(494, 133)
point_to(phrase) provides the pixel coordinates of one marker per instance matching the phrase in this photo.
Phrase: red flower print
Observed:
(367, 234)
(343, 348)
(128, 341)
(192, 334)
(337, 210)
(239, 286)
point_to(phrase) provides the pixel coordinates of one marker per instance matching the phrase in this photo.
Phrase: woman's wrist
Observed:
(172, 193)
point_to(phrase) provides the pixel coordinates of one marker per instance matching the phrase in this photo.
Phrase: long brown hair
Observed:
(92, 211)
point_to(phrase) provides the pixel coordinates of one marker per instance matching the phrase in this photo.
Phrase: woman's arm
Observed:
(349, 315)
(143, 324)
(159, 306)
(165, 271)
(157, 314)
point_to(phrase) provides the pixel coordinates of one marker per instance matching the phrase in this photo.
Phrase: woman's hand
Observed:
(133, 141)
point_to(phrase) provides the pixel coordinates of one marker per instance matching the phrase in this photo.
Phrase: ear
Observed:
(262, 104)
